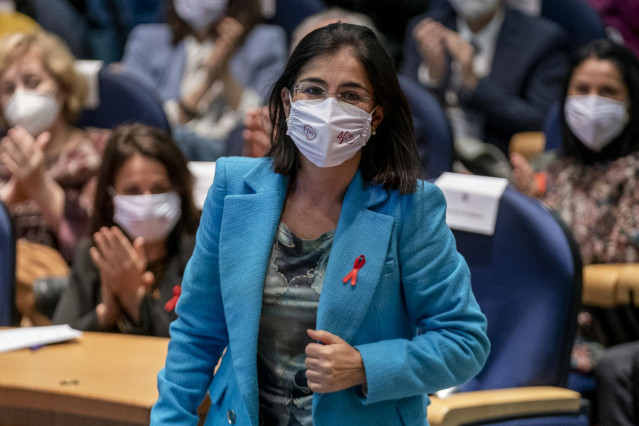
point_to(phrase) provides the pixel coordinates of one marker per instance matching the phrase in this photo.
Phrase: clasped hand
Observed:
(123, 275)
(434, 40)
(334, 365)
(230, 32)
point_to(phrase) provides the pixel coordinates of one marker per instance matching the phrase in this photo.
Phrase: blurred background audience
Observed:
(496, 70)
(210, 62)
(593, 185)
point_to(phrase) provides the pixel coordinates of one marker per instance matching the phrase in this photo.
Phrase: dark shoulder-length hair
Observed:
(124, 142)
(390, 157)
(628, 141)
(247, 12)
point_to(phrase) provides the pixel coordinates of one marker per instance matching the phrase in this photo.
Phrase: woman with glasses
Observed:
(325, 269)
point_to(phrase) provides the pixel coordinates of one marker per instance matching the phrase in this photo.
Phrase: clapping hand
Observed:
(24, 156)
(435, 41)
(430, 35)
(122, 268)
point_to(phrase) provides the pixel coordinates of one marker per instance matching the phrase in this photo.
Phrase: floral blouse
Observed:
(75, 171)
(600, 204)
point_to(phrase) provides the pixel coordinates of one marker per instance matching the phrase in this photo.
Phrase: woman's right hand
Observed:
(230, 31)
(256, 133)
(523, 175)
(24, 157)
(430, 36)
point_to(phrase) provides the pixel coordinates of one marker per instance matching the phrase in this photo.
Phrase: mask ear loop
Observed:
(373, 132)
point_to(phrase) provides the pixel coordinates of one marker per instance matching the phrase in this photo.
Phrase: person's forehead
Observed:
(29, 61)
(336, 68)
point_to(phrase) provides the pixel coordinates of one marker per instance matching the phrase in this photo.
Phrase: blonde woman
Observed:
(47, 164)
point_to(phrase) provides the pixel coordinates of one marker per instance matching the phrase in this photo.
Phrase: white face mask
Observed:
(473, 9)
(34, 111)
(595, 120)
(328, 132)
(200, 14)
(151, 216)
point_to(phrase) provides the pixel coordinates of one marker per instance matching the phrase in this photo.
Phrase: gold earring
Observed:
(373, 130)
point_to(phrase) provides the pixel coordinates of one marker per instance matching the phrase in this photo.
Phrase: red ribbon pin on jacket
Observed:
(170, 305)
(359, 262)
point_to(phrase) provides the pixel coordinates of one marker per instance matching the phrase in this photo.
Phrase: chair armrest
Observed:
(477, 406)
(628, 286)
(600, 285)
(610, 285)
(528, 144)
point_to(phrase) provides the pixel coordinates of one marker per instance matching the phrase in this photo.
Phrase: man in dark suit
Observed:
(497, 71)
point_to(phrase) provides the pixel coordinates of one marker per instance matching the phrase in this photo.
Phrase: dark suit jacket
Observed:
(528, 68)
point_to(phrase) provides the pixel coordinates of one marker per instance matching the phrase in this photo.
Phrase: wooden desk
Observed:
(100, 379)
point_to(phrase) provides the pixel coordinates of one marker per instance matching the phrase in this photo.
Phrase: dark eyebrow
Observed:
(349, 84)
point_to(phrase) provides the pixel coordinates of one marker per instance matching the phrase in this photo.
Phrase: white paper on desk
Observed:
(473, 201)
(26, 337)
(203, 173)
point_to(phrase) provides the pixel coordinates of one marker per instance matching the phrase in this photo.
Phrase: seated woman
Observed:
(594, 185)
(46, 163)
(128, 278)
(209, 63)
(594, 182)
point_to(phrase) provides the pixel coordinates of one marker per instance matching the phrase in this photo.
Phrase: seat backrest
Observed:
(122, 100)
(527, 280)
(289, 13)
(7, 267)
(552, 128)
(432, 129)
(578, 18)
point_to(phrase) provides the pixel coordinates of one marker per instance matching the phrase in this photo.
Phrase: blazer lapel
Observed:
(247, 231)
(360, 231)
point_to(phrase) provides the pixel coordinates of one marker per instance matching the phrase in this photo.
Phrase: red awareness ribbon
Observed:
(359, 262)
(170, 305)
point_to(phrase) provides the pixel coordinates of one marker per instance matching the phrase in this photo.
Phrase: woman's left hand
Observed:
(334, 365)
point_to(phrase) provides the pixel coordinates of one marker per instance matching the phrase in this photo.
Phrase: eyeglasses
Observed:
(315, 92)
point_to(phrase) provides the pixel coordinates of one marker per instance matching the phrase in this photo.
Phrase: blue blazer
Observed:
(528, 68)
(151, 57)
(413, 280)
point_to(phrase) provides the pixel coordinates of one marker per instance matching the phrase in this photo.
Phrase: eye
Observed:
(351, 96)
(7, 89)
(129, 190)
(609, 92)
(32, 81)
(581, 89)
(161, 189)
(314, 91)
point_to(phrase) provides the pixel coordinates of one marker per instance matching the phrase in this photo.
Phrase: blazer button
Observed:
(230, 416)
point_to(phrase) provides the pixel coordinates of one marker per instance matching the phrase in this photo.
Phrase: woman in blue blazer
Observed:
(326, 270)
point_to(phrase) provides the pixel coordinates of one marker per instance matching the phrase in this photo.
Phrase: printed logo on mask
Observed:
(309, 132)
(345, 137)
